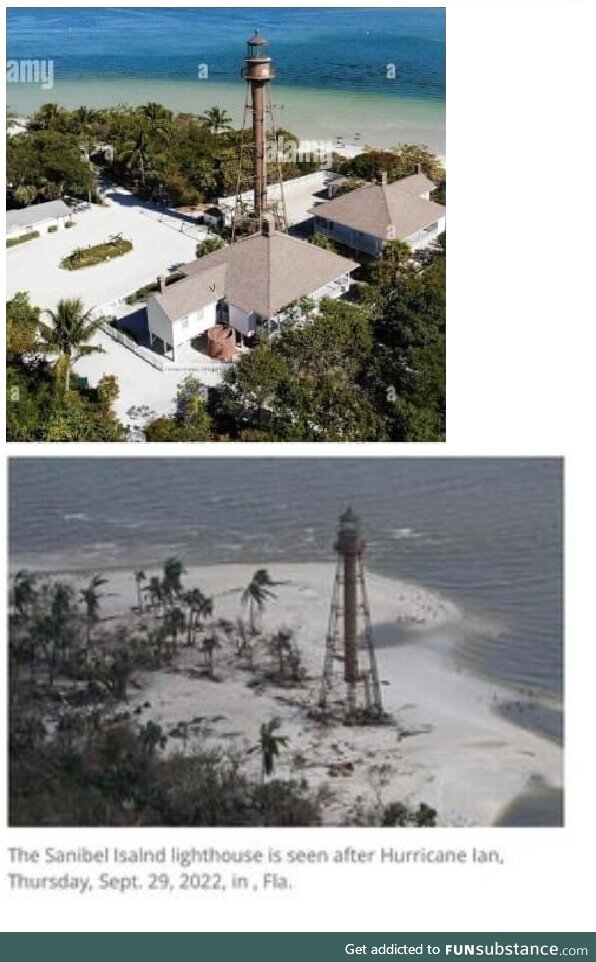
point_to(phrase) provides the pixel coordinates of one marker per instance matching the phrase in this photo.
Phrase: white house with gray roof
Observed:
(366, 218)
(37, 217)
(249, 284)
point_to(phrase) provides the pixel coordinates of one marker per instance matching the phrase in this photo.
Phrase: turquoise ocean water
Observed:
(391, 60)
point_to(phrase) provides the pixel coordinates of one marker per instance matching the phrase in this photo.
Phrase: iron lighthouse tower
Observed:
(349, 638)
(258, 71)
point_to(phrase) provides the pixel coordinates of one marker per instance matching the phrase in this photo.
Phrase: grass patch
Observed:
(13, 241)
(144, 292)
(88, 256)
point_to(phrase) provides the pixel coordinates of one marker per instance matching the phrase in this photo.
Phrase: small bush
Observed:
(89, 256)
(52, 228)
(144, 292)
(13, 241)
(209, 245)
(70, 223)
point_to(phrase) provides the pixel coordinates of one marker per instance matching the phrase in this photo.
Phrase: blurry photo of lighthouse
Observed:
(350, 637)
(258, 123)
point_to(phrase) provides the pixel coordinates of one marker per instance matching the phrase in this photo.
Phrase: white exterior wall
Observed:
(158, 321)
(185, 328)
(423, 238)
(179, 332)
(41, 228)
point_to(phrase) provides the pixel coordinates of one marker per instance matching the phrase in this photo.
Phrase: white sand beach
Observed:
(322, 115)
(448, 746)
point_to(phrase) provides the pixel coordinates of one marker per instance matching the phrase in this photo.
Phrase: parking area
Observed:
(161, 242)
(158, 247)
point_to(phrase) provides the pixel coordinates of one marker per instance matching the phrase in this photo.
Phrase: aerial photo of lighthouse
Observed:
(237, 221)
(278, 642)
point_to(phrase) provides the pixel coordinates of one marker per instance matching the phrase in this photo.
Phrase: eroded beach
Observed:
(448, 746)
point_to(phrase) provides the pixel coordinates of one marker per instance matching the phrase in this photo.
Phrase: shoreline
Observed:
(452, 745)
(359, 118)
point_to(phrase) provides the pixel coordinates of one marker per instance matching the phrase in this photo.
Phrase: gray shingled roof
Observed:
(37, 213)
(192, 293)
(376, 208)
(415, 184)
(266, 273)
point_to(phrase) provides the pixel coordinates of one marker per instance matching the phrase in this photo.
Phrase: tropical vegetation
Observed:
(22, 238)
(371, 368)
(44, 402)
(97, 253)
(84, 745)
(179, 159)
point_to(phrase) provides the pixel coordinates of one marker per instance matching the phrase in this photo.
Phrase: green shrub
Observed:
(52, 228)
(88, 256)
(209, 245)
(144, 292)
(13, 241)
(70, 223)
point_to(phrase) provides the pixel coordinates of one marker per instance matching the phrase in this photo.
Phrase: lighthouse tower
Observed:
(349, 638)
(258, 71)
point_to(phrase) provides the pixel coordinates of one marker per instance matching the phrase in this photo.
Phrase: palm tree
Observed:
(269, 745)
(173, 570)
(257, 593)
(173, 623)
(210, 643)
(281, 647)
(67, 336)
(23, 592)
(139, 577)
(199, 606)
(23, 598)
(48, 114)
(217, 119)
(155, 591)
(56, 628)
(245, 647)
(80, 123)
(136, 153)
(84, 116)
(156, 113)
(119, 673)
(90, 597)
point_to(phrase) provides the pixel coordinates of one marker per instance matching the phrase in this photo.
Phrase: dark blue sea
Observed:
(332, 48)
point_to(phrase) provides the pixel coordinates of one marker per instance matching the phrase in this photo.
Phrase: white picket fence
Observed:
(145, 354)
